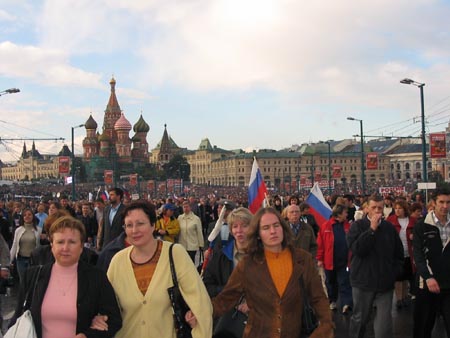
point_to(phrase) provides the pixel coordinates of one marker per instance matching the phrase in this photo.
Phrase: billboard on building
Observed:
(337, 171)
(372, 161)
(437, 145)
(64, 164)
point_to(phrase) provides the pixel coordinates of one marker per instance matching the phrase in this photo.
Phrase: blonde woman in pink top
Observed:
(69, 293)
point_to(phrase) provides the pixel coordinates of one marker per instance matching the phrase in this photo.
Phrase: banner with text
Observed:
(437, 145)
(64, 164)
(392, 190)
(133, 180)
(372, 161)
(337, 171)
(108, 176)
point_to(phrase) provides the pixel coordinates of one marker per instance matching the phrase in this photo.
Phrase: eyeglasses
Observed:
(137, 225)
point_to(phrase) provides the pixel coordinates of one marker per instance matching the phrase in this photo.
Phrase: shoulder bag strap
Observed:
(305, 296)
(28, 297)
(172, 266)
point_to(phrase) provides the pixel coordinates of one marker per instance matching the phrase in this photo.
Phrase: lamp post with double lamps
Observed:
(9, 91)
(363, 167)
(422, 116)
(328, 143)
(73, 162)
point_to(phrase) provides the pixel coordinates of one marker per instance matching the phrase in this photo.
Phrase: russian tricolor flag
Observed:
(257, 190)
(319, 208)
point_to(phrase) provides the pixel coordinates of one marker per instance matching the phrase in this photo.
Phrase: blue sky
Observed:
(244, 73)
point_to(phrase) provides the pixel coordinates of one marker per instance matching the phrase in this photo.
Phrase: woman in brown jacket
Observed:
(269, 277)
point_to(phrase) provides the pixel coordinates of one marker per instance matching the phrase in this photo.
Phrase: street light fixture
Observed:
(424, 142)
(329, 165)
(73, 162)
(9, 91)
(363, 177)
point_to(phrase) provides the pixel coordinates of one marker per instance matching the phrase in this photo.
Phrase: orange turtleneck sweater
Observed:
(280, 267)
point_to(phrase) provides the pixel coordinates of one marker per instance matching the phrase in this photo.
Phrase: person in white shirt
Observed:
(191, 234)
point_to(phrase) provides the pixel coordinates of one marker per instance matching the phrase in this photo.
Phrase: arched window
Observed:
(407, 166)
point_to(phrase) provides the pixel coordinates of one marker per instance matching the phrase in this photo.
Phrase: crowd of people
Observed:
(103, 268)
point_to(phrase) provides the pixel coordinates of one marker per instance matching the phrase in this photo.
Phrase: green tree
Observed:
(177, 167)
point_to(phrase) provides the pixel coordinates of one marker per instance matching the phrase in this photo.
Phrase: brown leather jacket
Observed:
(271, 315)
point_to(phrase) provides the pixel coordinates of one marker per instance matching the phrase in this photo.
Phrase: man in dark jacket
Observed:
(377, 259)
(112, 224)
(431, 250)
(108, 252)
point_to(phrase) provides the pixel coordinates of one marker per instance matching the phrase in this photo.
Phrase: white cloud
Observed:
(45, 66)
(5, 16)
(133, 94)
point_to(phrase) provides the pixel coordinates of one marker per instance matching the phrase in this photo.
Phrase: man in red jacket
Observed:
(332, 255)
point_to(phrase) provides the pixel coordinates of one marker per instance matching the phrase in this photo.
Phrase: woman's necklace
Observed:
(133, 253)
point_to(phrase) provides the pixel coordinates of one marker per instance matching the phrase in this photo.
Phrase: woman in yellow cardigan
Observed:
(140, 276)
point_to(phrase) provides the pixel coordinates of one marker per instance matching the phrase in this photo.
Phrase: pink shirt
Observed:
(59, 307)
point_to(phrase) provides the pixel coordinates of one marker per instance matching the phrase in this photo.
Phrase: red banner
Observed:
(108, 176)
(337, 171)
(372, 161)
(317, 176)
(133, 180)
(162, 187)
(437, 145)
(64, 164)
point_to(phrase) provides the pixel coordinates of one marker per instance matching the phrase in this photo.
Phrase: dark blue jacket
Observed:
(109, 251)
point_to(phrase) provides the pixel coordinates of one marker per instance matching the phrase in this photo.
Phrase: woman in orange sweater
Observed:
(270, 277)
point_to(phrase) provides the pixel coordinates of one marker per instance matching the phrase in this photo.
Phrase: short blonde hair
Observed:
(67, 222)
(241, 214)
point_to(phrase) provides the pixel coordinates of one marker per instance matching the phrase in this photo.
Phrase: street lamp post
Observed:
(424, 142)
(363, 174)
(73, 161)
(9, 91)
(329, 166)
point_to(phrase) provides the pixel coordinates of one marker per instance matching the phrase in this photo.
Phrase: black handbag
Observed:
(309, 319)
(231, 324)
(179, 306)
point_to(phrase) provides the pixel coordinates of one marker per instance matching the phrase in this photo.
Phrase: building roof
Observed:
(90, 123)
(141, 126)
(65, 151)
(122, 123)
(166, 141)
(205, 145)
(406, 149)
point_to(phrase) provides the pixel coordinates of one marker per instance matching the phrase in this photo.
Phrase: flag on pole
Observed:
(319, 208)
(257, 190)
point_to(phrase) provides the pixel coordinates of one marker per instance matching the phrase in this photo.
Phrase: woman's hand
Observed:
(99, 322)
(243, 308)
(190, 319)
